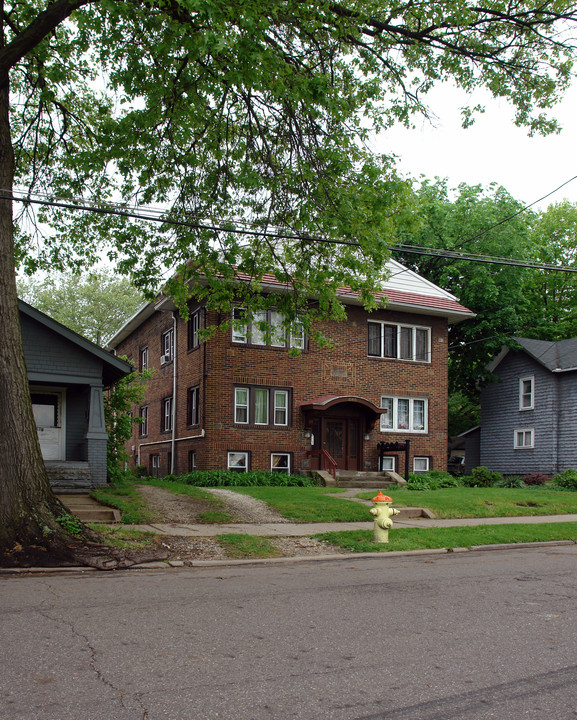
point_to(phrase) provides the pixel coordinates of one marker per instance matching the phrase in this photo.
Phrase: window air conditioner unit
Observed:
(164, 359)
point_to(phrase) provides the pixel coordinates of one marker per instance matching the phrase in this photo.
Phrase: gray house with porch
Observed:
(529, 413)
(68, 375)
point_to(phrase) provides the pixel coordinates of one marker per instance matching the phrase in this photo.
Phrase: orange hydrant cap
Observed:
(382, 498)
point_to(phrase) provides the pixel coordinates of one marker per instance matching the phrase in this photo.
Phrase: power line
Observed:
(160, 216)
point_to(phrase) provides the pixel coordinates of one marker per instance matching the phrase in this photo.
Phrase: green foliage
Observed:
(94, 305)
(247, 546)
(429, 538)
(123, 495)
(566, 480)
(431, 480)
(309, 504)
(293, 94)
(118, 404)
(511, 481)
(230, 478)
(482, 477)
(553, 295)
(71, 523)
(470, 219)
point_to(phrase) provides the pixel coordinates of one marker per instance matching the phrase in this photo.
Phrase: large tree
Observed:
(95, 305)
(552, 296)
(229, 115)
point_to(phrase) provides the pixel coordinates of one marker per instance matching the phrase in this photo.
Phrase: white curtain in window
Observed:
(261, 406)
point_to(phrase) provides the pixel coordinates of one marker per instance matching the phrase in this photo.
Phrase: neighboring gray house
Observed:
(67, 376)
(529, 413)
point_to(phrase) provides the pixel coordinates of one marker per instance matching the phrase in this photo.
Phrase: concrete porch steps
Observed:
(88, 509)
(369, 480)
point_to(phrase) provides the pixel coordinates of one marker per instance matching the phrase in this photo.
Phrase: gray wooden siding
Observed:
(500, 417)
(47, 352)
(567, 420)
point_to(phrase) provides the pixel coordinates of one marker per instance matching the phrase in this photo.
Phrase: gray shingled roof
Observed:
(555, 356)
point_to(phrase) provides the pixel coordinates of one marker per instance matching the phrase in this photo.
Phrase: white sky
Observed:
(492, 150)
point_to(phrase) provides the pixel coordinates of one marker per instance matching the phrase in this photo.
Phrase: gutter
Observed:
(170, 440)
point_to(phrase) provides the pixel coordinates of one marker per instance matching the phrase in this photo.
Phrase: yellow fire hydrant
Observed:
(383, 513)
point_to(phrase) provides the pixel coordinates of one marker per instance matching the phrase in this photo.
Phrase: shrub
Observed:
(535, 479)
(482, 477)
(220, 478)
(566, 480)
(418, 483)
(511, 481)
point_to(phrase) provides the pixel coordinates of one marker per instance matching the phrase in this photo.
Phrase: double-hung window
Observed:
(261, 406)
(400, 342)
(193, 329)
(143, 359)
(280, 462)
(193, 406)
(404, 414)
(167, 414)
(527, 393)
(238, 461)
(167, 346)
(266, 328)
(143, 415)
(421, 464)
(524, 438)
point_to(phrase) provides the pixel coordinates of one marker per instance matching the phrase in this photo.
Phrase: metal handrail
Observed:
(331, 461)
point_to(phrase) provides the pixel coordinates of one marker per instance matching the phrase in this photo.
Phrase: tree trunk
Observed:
(28, 507)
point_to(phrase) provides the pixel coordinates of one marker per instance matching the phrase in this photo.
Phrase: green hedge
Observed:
(223, 478)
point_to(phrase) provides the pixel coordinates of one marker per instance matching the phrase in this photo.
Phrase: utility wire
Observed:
(160, 216)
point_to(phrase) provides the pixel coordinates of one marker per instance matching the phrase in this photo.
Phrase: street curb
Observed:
(178, 564)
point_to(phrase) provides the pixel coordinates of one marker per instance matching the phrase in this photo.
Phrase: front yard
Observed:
(319, 504)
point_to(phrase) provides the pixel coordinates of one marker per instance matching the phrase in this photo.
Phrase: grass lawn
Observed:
(309, 504)
(427, 538)
(247, 546)
(463, 502)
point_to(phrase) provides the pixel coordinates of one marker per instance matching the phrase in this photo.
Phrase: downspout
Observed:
(556, 410)
(174, 356)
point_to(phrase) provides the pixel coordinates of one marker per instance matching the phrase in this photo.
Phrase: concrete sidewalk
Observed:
(305, 529)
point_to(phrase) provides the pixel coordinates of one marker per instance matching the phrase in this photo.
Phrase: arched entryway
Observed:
(338, 425)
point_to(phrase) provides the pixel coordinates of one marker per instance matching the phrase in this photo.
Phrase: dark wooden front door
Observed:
(341, 438)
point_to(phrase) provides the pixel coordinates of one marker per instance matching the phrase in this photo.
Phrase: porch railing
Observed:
(327, 461)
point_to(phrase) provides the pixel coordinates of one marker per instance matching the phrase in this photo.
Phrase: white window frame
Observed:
(426, 463)
(237, 468)
(144, 358)
(280, 408)
(249, 333)
(143, 426)
(193, 406)
(393, 402)
(286, 469)
(167, 346)
(167, 414)
(271, 406)
(388, 460)
(401, 331)
(526, 436)
(240, 405)
(530, 395)
(193, 329)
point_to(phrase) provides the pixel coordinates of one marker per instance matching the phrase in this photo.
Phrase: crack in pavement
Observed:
(44, 612)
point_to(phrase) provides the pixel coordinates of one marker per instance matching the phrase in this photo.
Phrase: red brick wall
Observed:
(343, 369)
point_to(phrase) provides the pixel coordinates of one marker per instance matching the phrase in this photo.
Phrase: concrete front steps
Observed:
(88, 509)
(369, 480)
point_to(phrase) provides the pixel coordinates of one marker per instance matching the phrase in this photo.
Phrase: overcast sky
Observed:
(493, 150)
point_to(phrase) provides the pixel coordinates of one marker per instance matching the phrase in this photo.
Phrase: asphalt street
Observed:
(430, 637)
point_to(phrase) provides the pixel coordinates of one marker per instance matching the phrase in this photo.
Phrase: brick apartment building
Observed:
(241, 401)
